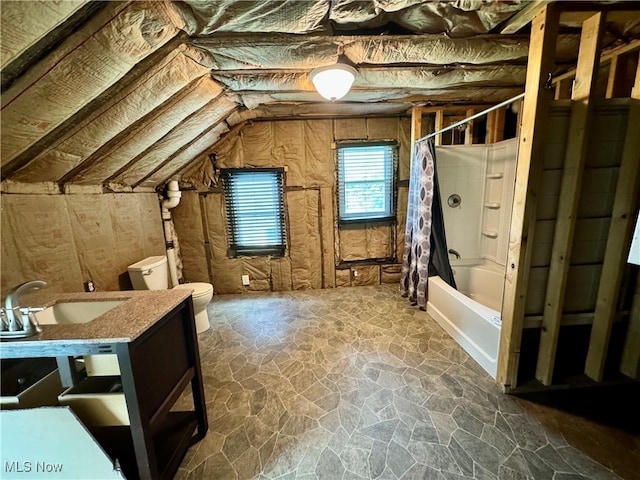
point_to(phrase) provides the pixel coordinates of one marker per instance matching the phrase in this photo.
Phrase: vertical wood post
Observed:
(495, 126)
(624, 209)
(575, 155)
(544, 32)
(416, 124)
(630, 364)
(617, 76)
(439, 125)
(468, 132)
(563, 88)
(416, 127)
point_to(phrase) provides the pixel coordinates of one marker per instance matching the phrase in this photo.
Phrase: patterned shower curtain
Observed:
(425, 244)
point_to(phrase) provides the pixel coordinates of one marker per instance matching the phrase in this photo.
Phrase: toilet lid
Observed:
(199, 288)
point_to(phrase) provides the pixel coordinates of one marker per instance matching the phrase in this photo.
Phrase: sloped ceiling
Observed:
(126, 95)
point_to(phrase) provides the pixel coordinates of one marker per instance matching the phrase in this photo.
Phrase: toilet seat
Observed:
(200, 289)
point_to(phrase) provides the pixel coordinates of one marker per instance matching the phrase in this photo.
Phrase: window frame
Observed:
(236, 249)
(391, 215)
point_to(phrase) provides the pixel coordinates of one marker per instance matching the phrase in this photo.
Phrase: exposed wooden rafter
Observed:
(524, 16)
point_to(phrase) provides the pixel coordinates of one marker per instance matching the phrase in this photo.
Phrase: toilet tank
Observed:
(149, 274)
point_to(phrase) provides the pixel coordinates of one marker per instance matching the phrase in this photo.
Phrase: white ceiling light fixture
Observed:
(333, 81)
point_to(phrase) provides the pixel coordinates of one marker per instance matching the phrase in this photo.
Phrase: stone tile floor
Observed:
(355, 383)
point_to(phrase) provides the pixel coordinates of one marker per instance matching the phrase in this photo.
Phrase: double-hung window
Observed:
(255, 210)
(366, 187)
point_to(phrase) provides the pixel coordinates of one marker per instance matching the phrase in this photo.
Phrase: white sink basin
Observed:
(74, 312)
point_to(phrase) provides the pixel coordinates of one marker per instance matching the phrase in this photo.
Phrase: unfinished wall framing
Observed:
(568, 312)
(319, 254)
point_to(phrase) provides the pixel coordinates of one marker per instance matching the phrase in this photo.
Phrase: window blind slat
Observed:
(255, 211)
(366, 181)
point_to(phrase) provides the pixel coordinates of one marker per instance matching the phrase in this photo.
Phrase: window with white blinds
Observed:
(366, 173)
(255, 210)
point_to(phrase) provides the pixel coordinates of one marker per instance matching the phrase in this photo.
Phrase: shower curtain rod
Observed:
(472, 117)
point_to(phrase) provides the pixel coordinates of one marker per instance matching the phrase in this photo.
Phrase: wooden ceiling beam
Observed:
(524, 16)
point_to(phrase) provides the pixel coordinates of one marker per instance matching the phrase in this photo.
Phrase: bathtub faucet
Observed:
(454, 252)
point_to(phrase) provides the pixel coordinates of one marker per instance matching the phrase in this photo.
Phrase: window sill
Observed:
(361, 223)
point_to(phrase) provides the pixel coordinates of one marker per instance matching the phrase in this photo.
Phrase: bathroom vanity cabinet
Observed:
(153, 336)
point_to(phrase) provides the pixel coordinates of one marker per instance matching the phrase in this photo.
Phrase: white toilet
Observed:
(152, 274)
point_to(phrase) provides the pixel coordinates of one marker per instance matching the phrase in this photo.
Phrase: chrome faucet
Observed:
(454, 252)
(16, 321)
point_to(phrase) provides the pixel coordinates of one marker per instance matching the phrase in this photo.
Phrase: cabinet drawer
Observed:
(97, 401)
(42, 392)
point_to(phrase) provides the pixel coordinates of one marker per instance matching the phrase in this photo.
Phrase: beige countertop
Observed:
(125, 322)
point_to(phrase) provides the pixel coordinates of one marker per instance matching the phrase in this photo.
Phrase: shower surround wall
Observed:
(484, 178)
(319, 254)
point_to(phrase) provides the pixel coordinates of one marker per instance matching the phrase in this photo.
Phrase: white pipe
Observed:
(173, 270)
(174, 194)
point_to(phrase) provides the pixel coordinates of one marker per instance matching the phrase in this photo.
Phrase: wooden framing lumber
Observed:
(495, 126)
(524, 16)
(416, 126)
(563, 88)
(544, 34)
(567, 77)
(468, 132)
(439, 125)
(630, 364)
(575, 155)
(624, 209)
(617, 76)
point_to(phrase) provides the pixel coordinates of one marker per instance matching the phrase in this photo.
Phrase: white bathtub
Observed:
(471, 314)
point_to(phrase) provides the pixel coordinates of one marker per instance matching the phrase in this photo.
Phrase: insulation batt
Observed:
(469, 17)
(82, 75)
(165, 143)
(144, 96)
(193, 150)
(23, 25)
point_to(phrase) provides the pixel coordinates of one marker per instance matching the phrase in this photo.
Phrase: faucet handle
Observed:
(4, 324)
(14, 319)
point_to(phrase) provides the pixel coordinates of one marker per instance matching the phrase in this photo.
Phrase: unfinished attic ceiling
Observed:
(125, 95)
